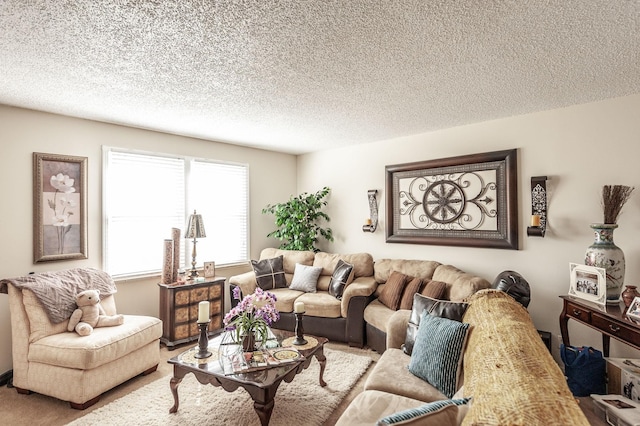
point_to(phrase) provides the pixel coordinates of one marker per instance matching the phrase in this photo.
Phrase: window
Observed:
(147, 194)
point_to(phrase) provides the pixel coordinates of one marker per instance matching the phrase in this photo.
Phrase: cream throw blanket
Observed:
(57, 290)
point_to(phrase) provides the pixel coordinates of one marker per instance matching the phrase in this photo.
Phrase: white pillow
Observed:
(305, 278)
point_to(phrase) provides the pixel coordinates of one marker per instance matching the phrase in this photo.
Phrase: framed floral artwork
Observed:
(471, 200)
(59, 207)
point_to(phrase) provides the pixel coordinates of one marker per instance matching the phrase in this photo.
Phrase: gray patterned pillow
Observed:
(305, 278)
(270, 273)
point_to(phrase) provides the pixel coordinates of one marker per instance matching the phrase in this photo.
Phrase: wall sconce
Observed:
(538, 207)
(372, 222)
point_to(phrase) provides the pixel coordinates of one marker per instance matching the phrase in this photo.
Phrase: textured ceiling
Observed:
(300, 76)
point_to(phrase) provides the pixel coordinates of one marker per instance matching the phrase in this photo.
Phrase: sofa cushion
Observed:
(269, 273)
(392, 290)
(438, 350)
(434, 289)
(305, 278)
(39, 323)
(390, 374)
(290, 257)
(377, 315)
(103, 345)
(440, 308)
(370, 405)
(320, 304)
(437, 413)
(340, 278)
(285, 298)
(460, 285)
(413, 286)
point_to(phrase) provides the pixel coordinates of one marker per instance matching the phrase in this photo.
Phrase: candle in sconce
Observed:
(368, 221)
(203, 311)
(535, 220)
(298, 308)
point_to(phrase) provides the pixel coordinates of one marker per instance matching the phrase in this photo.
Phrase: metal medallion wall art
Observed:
(460, 201)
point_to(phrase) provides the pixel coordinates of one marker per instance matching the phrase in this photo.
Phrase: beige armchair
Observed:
(50, 360)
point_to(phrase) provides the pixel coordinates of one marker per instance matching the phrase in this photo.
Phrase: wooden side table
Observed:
(609, 320)
(179, 309)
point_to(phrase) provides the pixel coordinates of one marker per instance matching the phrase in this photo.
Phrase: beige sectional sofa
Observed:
(337, 319)
(458, 286)
(508, 373)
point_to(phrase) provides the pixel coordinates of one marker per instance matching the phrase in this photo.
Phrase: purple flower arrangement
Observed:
(254, 314)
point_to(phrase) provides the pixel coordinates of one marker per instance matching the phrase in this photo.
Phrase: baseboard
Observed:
(6, 377)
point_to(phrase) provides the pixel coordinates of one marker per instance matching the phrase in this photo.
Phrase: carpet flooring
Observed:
(303, 401)
(36, 409)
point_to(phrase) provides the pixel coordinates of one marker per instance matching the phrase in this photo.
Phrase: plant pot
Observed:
(603, 253)
(249, 342)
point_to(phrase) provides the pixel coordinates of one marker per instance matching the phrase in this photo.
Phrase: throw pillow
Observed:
(392, 290)
(340, 278)
(437, 353)
(434, 289)
(433, 413)
(270, 273)
(411, 288)
(305, 278)
(440, 308)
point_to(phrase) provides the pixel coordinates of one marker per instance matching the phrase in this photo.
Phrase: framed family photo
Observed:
(59, 207)
(634, 309)
(588, 283)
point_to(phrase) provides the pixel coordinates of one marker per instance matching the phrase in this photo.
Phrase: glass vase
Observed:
(603, 253)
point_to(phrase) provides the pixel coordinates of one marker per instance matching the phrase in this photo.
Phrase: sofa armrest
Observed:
(246, 282)
(361, 286)
(397, 328)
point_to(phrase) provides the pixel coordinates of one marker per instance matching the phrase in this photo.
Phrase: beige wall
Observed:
(580, 148)
(23, 132)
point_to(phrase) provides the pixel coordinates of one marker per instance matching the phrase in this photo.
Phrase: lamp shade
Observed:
(195, 228)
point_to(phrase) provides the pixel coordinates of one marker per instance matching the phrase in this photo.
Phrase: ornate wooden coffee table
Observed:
(261, 385)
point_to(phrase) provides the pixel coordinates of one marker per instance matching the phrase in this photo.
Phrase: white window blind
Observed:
(147, 194)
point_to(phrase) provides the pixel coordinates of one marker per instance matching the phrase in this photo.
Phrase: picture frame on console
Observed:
(59, 207)
(634, 309)
(588, 283)
(470, 200)
(209, 269)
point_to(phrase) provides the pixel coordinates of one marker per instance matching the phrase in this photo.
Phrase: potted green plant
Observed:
(298, 220)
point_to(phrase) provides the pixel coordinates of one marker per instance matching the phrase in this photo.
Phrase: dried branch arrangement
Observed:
(613, 199)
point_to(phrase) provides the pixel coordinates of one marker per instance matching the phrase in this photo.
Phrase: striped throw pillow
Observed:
(440, 413)
(437, 352)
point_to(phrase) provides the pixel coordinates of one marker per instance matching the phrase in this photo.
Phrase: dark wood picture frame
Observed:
(471, 201)
(59, 207)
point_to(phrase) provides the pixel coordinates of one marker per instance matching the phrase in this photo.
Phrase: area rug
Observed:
(301, 402)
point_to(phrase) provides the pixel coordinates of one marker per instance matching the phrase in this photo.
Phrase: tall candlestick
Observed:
(203, 311)
(298, 307)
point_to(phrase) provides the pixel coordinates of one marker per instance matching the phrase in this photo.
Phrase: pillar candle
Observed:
(298, 308)
(368, 221)
(203, 311)
(535, 220)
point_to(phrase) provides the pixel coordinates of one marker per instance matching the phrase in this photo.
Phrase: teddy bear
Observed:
(91, 314)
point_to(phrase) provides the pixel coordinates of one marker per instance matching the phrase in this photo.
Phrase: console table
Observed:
(179, 309)
(609, 320)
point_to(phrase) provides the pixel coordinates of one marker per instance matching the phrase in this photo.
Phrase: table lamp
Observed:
(195, 229)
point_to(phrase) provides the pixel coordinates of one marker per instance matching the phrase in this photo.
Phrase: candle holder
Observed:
(538, 206)
(203, 341)
(299, 341)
